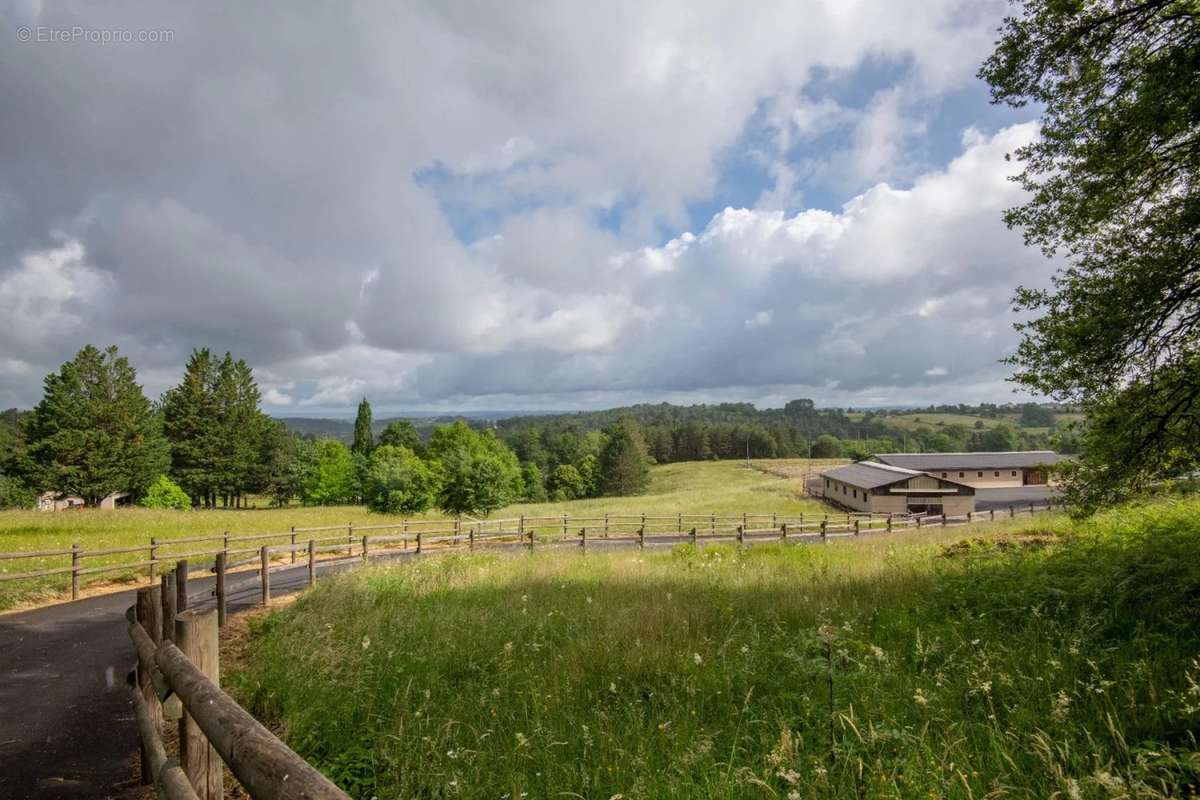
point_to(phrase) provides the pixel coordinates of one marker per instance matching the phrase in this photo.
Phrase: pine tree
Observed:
(624, 463)
(94, 431)
(364, 440)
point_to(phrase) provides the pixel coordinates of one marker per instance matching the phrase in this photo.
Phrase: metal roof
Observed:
(869, 475)
(929, 462)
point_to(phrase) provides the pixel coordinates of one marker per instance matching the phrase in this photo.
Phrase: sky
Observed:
(539, 205)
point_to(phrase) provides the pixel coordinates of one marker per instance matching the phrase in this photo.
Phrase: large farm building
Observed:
(931, 483)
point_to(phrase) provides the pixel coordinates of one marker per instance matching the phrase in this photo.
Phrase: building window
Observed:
(856, 494)
(943, 474)
(1014, 473)
(997, 473)
(980, 475)
(962, 474)
(827, 483)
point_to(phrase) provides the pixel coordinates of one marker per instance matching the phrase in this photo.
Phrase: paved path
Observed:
(66, 725)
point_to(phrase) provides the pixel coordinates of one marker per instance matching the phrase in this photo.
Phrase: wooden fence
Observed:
(177, 678)
(227, 552)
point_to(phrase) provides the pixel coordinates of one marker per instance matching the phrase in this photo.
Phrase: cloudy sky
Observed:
(479, 205)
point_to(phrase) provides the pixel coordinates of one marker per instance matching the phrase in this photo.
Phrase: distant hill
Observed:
(424, 422)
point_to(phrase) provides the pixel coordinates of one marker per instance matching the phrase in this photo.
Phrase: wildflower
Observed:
(1073, 791)
(920, 698)
(696, 657)
(791, 776)
(366, 642)
(508, 647)
(612, 687)
(1062, 705)
(522, 740)
(878, 653)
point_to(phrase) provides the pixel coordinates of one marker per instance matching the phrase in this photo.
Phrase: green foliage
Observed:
(1036, 416)
(533, 483)
(402, 433)
(94, 432)
(222, 445)
(165, 493)
(1113, 183)
(331, 478)
(478, 473)
(15, 494)
(1001, 438)
(565, 483)
(399, 482)
(1055, 662)
(827, 446)
(364, 441)
(624, 464)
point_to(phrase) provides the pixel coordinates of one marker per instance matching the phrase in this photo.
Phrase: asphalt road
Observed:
(66, 725)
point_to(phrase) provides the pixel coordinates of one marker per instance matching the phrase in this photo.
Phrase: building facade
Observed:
(982, 470)
(884, 489)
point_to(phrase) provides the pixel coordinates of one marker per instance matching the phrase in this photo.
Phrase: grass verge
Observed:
(1035, 659)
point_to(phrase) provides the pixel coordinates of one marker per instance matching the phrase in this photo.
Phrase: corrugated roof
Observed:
(928, 462)
(868, 475)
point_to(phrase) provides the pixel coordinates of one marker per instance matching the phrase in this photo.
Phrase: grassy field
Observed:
(717, 487)
(911, 422)
(1044, 659)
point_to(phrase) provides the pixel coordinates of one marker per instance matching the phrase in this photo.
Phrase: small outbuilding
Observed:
(882, 488)
(1004, 470)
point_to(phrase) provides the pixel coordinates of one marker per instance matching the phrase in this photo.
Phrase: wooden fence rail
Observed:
(242, 550)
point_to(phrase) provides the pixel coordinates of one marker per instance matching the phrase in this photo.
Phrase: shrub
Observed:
(398, 482)
(14, 494)
(165, 493)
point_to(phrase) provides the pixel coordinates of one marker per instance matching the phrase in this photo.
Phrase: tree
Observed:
(1035, 416)
(399, 482)
(479, 474)
(624, 462)
(565, 483)
(827, 446)
(534, 486)
(166, 493)
(364, 439)
(94, 432)
(15, 494)
(401, 433)
(999, 439)
(331, 479)
(1113, 186)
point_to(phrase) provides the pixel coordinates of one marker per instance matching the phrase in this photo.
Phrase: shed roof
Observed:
(869, 475)
(1016, 459)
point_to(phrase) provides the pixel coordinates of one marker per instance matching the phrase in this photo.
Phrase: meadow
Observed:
(1034, 659)
(714, 487)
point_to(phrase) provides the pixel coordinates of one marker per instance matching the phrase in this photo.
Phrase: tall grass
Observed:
(1057, 661)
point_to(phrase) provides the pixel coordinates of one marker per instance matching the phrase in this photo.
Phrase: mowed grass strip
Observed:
(703, 487)
(1042, 659)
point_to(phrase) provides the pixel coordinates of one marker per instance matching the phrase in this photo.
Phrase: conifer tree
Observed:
(624, 463)
(364, 439)
(94, 431)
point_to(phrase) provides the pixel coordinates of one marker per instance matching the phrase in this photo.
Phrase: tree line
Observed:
(207, 443)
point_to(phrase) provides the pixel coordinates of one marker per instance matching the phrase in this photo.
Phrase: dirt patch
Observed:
(1037, 540)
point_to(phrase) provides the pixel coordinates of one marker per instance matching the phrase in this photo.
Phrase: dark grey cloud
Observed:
(255, 183)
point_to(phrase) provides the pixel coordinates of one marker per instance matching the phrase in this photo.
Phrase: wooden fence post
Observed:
(170, 600)
(181, 585)
(153, 557)
(783, 532)
(605, 524)
(312, 562)
(583, 539)
(221, 588)
(418, 542)
(197, 638)
(744, 523)
(349, 538)
(264, 555)
(993, 512)
(889, 522)
(824, 534)
(642, 536)
(565, 518)
(740, 531)
(943, 519)
(293, 544)
(1012, 512)
(75, 571)
(857, 523)
(693, 535)
(471, 538)
(531, 540)
(713, 523)
(919, 518)
(364, 549)
(520, 528)
(148, 613)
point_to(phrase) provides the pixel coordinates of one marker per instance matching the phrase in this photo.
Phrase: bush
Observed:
(165, 493)
(14, 494)
(398, 482)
